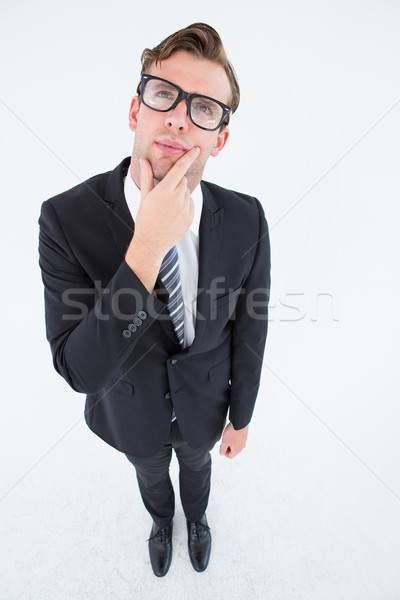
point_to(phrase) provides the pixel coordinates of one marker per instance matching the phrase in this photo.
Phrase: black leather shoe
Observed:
(199, 543)
(160, 549)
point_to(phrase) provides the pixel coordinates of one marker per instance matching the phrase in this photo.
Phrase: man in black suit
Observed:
(157, 287)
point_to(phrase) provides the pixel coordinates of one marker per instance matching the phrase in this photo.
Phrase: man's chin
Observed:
(162, 166)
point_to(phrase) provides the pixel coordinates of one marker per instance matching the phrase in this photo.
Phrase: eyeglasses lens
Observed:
(204, 112)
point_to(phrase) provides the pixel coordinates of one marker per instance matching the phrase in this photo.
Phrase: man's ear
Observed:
(133, 112)
(220, 142)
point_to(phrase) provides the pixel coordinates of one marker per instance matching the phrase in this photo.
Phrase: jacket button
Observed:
(173, 361)
(168, 396)
(137, 321)
(142, 315)
(132, 327)
(126, 333)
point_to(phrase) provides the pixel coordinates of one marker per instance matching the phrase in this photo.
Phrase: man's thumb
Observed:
(146, 177)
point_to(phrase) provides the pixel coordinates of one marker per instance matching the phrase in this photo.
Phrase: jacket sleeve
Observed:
(249, 331)
(87, 328)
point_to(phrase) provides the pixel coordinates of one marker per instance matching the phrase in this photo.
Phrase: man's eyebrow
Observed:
(193, 93)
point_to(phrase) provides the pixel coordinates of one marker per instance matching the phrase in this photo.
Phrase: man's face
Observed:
(162, 137)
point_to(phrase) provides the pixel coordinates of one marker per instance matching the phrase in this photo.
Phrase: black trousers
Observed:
(194, 478)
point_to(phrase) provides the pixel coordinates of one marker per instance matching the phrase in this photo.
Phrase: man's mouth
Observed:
(170, 147)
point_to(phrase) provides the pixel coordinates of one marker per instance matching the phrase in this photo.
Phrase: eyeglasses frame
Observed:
(182, 96)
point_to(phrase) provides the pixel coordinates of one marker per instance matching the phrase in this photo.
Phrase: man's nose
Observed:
(177, 118)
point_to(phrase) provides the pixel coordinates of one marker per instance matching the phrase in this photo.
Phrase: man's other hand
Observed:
(233, 441)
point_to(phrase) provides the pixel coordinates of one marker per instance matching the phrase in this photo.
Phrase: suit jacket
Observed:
(115, 342)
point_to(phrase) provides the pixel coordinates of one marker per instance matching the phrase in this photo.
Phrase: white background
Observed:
(310, 510)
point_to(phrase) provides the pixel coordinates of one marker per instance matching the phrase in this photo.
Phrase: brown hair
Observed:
(201, 40)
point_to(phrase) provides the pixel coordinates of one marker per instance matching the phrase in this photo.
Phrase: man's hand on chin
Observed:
(233, 441)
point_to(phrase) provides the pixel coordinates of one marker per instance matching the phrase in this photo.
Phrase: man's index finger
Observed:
(175, 174)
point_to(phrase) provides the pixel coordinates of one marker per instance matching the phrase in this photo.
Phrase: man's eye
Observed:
(164, 94)
(204, 108)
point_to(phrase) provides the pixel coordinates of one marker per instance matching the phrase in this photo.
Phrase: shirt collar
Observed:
(132, 196)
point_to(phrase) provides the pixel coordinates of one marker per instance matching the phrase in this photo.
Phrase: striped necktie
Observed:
(169, 275)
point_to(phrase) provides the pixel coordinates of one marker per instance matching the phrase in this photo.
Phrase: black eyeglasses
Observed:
(162, 95)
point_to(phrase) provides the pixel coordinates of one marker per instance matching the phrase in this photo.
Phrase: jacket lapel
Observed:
(117, 213)
(210, 235)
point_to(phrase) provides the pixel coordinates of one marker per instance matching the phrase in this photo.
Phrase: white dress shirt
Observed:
(188, 253)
